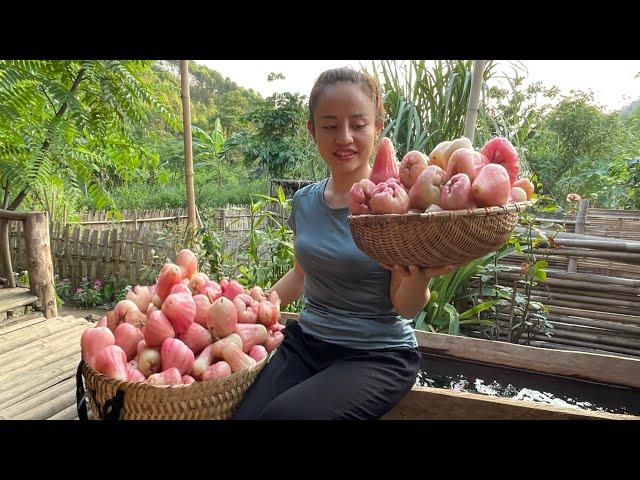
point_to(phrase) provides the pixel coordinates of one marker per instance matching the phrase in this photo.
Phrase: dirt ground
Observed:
(89, 314)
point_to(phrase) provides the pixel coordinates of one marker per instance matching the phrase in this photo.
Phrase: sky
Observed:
(612, 81)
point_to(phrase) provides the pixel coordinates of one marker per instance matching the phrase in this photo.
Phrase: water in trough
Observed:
(466, 376)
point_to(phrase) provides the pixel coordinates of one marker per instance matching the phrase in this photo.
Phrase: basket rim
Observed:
(207, 384)
(444, 214)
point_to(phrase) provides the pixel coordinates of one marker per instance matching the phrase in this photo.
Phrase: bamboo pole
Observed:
(584, 286)
(609, 245)
(40, 263)
(575, 332)
(631, 297)
(623, 257)
(587, 277)
(591, 345)
(474, 99)
(581, 220)
(138, 220)
(586, 299)
(579, 312)
(601, 324)
(591, 307)
(188, 154)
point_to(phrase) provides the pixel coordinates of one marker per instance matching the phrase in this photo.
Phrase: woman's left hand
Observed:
(415, 272)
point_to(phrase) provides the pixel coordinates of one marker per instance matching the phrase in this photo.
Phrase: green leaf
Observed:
(419, 320)
(481, 307)
(454, 319)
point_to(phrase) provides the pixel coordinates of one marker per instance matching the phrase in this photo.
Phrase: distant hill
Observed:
(629, 109)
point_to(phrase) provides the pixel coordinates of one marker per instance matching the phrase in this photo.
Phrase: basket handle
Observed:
(111, 408)
(81, 395)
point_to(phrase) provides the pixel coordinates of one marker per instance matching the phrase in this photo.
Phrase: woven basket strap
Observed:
(113, 406)
(81, 395)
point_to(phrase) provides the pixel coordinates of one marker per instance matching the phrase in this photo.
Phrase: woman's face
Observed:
(344, 127)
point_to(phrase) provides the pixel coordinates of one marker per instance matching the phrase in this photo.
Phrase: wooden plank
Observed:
(21, 366)
(42, 397)
(10, 292)
(65, 257)
(600, 368)
(19, 389)
(84, 252)
(69, 413)
(427, 403)
(21, 321)
(139, 255)
(68, 342)
(101, 256)
(74, 266)
(93, 259)
(49, 408)
(33, 347)
(117, 254)
(7, 336)
(18, 300)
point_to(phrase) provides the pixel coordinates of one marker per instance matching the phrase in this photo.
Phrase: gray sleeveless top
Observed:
(346, 293)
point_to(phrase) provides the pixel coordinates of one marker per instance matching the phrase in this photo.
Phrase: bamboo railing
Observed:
(592, 289)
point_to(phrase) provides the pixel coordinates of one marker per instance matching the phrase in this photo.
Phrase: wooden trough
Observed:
(427, 403)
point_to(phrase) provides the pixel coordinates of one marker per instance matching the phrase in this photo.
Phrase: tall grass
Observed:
(426, 101)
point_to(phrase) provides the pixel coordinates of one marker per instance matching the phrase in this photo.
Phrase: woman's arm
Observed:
(291, 286)
(409, 288)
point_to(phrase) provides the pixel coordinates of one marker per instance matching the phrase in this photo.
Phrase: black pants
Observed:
(314, 380)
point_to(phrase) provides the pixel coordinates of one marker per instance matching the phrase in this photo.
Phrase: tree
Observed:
(71, 120)
(279, 139)
(579, 148)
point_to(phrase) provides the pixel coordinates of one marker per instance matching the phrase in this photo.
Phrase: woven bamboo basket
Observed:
(209, 400)
(435, 239)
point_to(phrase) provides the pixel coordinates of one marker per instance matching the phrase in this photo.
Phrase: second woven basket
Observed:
(437, 238)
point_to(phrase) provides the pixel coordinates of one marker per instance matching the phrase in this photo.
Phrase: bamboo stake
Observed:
(581, 220)
(474, 99)
(188, 154)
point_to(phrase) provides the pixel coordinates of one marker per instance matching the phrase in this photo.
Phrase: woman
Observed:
(353, 353)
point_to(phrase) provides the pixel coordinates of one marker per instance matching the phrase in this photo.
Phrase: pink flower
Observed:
(79, 290)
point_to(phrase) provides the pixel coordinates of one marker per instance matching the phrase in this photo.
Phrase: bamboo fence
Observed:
(592, 290)
(100, 248)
